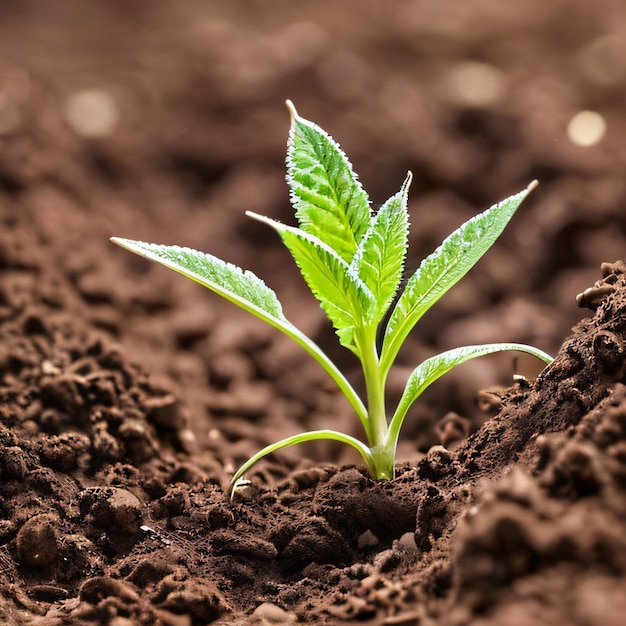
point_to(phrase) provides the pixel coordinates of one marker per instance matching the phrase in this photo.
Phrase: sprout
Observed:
(353, 261)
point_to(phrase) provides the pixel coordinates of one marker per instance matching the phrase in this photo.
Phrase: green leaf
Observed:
(312, 435)
(329, 201)
(249, 292)
(231, 282)
(443, 269)
(379, 259)
(431, 369)
(342, 295)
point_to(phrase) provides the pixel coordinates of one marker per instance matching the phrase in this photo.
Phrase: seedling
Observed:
(352, 259)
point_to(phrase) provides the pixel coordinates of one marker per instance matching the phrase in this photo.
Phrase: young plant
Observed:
(352, 259)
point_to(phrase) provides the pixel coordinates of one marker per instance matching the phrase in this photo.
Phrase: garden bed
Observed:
(128, 396)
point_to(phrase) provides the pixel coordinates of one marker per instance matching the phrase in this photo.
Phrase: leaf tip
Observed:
(258, 217)
(138, 247)
(120, 241)
(533, 185)
(265, 220)
(292, 110)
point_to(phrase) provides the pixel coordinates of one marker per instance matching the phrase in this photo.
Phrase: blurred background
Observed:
(165, 121)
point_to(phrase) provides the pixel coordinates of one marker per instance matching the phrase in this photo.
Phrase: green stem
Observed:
(382, 460)
(331, 369)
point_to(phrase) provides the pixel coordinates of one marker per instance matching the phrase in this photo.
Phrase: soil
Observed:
(129, 395)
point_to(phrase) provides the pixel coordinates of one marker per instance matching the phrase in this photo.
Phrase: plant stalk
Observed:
(382, 457)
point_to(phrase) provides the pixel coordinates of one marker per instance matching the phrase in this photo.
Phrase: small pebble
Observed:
(367, 540)
(37, 540)
(268, 613)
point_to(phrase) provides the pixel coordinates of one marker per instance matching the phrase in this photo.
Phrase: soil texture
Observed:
(128, 396)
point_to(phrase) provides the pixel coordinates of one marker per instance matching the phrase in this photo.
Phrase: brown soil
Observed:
(129, 395)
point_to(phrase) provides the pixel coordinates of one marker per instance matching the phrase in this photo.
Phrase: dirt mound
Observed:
(525, 520)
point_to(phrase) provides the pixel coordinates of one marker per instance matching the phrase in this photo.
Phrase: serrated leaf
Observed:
(241, 287)
(342, 295)
(328, 199)
(433, 368)
(379, 259)
(443, 269)
(246, 290)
